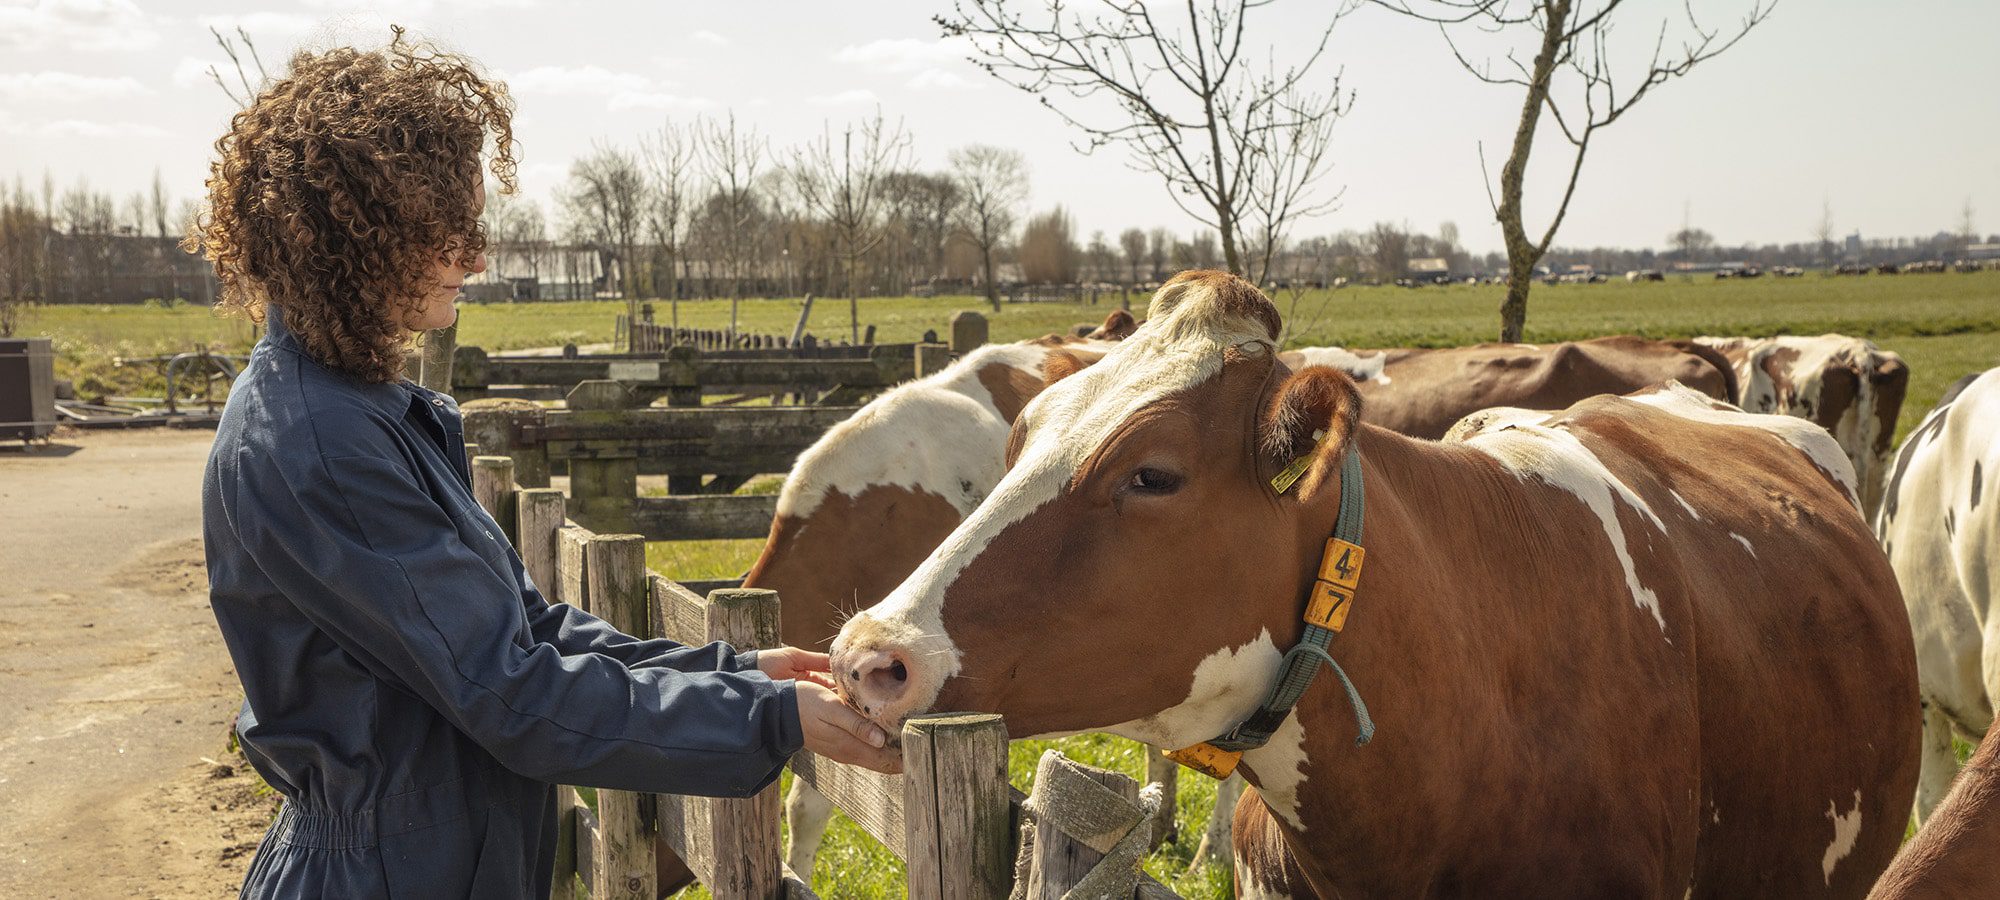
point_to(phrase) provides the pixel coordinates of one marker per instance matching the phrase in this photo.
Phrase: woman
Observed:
(409, 691)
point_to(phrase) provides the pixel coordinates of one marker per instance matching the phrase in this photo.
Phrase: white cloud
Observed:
(709, 37)
(941, 80)
(266, 28)
(80, 25)
(81, 128)
(66, 87)
(577, 80)
(858, 95)
(899, 56)
(655, 100)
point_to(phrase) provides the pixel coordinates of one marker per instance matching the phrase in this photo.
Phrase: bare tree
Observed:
(1570, 41)
(732, 156)
(841, 180)
(1388, 248)
(228, 46)
(671, 157)
(606, 202)
(1239, 150)
(994, 181)
(1048, 249)
(1823, 232)
(1157, 251)
(1690, 243)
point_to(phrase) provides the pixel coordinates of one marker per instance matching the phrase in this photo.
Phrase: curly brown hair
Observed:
(339, 188)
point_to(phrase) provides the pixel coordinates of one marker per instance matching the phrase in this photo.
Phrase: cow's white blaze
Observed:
(1357, 367)
(1807, 438)
(1554, 456)
(1745, 542)
(1846, 829)
(1178, 348)
(941, 434)
(1685, 505)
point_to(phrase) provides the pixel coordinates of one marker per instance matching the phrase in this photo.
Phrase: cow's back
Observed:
(1742, 532)
(1426, 391)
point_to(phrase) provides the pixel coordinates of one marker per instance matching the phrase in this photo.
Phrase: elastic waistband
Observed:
(301, 825)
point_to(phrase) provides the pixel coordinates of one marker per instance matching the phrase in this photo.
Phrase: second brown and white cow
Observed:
(1573, 629)
(1849, 386)
(1421, 392)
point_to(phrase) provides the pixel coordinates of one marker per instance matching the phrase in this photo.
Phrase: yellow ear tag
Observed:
(1284, 480)
(1207, 759)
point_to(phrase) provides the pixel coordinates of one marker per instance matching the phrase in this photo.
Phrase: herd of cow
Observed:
(1625, 627)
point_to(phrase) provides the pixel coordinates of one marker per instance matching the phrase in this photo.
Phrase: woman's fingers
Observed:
(807, 660)
(834, 730)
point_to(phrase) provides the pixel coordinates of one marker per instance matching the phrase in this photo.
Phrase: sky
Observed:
(1884, 113)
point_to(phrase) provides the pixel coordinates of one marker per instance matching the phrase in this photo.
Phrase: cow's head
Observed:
(1134, 570)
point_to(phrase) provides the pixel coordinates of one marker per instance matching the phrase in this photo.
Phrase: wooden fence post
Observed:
(604, 485)
(538, 527)
(468, 373)
(932, 358)
(493, 486)
(618, 591)
(512, 428)
(955, 803)
(968, 332)
(435, 370)
(1059, 859)
(748, 859)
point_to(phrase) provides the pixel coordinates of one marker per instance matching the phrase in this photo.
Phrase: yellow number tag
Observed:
(1207, 759)
(1333, 591)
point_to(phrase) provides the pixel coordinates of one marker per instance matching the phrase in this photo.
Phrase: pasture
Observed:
(1944, 325)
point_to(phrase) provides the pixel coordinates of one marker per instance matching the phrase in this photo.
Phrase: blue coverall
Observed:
(408, 689)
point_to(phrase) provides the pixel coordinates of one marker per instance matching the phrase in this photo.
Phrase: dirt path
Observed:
(113, 770)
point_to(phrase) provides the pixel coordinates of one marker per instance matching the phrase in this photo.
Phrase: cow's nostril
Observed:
(900, 672)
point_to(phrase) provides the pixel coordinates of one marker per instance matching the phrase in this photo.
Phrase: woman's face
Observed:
(435, 309)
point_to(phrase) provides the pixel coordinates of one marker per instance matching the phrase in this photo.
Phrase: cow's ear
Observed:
(1315, 406)
(1117, 326)
(1061, 364)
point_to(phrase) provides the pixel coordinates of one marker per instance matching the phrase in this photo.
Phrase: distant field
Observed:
(1944, 325)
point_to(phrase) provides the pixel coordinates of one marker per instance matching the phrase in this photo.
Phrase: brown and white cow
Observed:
(1852, 388)
(1940, 525)
(1957, 851)
(1645, 646)
(868, 501)
(1422, 392)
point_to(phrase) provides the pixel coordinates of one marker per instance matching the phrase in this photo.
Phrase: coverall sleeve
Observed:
(362, 549)
(574, 631)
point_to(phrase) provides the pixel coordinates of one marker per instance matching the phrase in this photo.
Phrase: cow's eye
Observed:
(1149, 480)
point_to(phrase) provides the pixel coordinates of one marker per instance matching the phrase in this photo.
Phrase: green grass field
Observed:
(1944, 325)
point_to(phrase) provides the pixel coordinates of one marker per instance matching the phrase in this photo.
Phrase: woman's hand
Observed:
(834, 730)
(791, 662)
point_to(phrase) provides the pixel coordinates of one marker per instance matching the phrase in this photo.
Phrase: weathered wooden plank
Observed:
(538, 522)
(701, 587)
(669, 372)
(796, 888)
(573, 571)
(625, 857)
(563, 885)
(703, 518)
(751, 869)
(682, 614)
(742, 424)
(873, 800)
(955, 800)
(494, 488)
(586, 849)
(686, 827)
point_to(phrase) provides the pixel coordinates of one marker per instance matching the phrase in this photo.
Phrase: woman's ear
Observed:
(1313, 403)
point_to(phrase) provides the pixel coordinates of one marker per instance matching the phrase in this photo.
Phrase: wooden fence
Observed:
(646, 337)
(684, 374)
(952, 816)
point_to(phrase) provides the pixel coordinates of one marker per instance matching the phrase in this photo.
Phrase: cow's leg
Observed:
(1939, 764)
(1214, 848)
(807, 812)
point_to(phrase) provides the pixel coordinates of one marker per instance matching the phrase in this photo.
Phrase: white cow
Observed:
(1940, 525)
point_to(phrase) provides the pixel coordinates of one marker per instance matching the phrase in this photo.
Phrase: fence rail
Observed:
(952, 816)
(684, 374)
